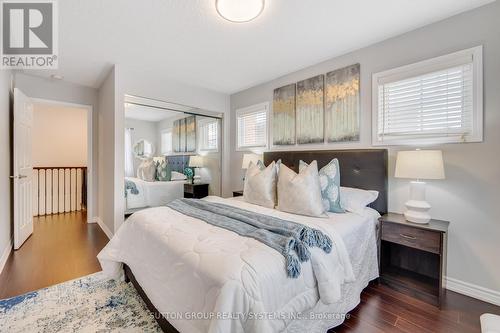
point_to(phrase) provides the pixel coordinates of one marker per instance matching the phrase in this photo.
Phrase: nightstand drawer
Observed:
(421, 239)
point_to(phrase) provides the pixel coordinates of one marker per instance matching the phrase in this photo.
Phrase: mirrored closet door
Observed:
(171, 151)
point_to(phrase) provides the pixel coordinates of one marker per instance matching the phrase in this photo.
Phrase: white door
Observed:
(23, 168)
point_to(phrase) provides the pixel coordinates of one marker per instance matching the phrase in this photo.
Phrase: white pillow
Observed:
(300, 193)
(177, 176)
(260, 185)
(147, 170)
(355, 200)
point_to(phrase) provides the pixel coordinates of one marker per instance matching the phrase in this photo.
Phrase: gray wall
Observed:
(106, 132)
(5, 172)
(469, 195)
(43, 88)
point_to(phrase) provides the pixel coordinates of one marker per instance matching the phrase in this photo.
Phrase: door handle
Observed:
(408, 237)
(18, 177)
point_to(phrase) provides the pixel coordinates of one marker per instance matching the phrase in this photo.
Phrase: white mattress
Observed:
(187, 266)
(153, 194)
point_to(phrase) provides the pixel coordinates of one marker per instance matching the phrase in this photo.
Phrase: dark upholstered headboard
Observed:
(361, 168)
(178, 162)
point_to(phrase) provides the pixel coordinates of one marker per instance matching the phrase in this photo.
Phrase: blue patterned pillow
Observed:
(261, 165)
(329, 179)
(163, 172)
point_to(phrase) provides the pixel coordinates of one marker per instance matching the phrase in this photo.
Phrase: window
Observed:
(434, 101)
(251, 126)
(166, 142)
(209, 134)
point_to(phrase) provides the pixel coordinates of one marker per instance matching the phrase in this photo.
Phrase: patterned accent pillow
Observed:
(260, 185)
(261, 165)
(163, 172)
(329, 179)
(147, 170)
(300, 193)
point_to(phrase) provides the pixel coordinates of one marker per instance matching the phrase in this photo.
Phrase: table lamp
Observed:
(196, 162)
(419, 165)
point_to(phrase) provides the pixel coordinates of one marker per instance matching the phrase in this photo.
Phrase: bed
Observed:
(196, 277)
(158, 193)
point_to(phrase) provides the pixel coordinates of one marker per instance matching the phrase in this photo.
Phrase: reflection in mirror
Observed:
(166, 147)
(143, 149)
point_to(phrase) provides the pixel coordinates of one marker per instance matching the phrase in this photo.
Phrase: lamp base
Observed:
(196, 179)
(417, 209)
(416, 214)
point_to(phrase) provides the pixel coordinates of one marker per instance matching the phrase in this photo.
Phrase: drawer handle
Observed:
(408, 237)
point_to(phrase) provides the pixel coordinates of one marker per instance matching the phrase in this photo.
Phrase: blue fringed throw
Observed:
(291, 239)
(130, 185)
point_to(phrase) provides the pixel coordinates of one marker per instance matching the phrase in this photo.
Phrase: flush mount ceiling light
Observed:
(239, 11)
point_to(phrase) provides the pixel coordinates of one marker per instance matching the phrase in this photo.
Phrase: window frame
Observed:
(248, 110)
(204, 122)
(164, 131)
(427, 67)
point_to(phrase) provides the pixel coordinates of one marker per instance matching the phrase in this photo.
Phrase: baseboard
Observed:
(474, 291)
(103, 226)
(5, 255)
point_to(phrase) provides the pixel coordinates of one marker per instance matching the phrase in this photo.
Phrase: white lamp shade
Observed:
(247, 158)
(420, 164)
(196, 162)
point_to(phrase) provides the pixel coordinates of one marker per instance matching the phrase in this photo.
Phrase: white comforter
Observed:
(207, 279)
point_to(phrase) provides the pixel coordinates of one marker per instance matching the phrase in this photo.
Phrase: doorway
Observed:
(52, 149)
(52, 196)
(61, 157)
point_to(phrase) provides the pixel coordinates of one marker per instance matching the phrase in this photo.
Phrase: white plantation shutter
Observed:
(433, 101)
(166, 142)
(209, 134)
(252, 126)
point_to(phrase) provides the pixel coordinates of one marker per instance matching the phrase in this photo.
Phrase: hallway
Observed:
(63, 247)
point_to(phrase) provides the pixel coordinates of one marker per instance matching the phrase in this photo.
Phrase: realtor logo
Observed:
(29, 34)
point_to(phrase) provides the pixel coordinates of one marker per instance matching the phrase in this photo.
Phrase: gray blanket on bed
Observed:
(290, 239)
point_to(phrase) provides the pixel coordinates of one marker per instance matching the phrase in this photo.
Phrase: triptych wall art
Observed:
(284, 115)
(184, 135)
(324, 108)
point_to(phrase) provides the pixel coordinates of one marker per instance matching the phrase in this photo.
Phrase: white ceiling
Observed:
(139, 112)
(187, 41)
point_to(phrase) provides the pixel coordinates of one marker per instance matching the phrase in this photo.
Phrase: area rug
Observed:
(90, 304)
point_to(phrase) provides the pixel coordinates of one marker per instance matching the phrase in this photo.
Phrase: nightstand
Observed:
(196, 191)
(237, 193)
(413, 257)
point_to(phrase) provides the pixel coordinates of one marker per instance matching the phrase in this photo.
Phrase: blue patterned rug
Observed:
(89, 304)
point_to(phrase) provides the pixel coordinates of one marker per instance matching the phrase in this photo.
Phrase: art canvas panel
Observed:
(182, 135)
(176, 137)
(284, 115)
(191, 134)
(342, 104)
(310, 110)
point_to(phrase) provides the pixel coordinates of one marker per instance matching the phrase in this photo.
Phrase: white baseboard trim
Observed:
(474, 291)
(5, 255)
(103, 226)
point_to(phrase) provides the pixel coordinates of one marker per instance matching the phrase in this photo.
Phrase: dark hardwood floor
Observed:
(385, 310)
(63, 247)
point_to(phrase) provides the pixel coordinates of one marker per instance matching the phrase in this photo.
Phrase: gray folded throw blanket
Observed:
(290, 239)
